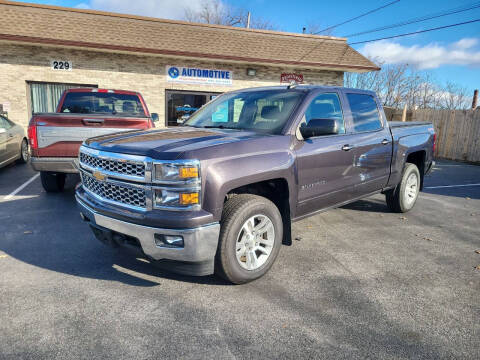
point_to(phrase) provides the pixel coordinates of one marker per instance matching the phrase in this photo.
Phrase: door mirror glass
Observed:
(155, 117)
(319, 127)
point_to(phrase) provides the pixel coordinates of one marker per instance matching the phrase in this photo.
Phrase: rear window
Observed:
(102, 103)
(365, 112)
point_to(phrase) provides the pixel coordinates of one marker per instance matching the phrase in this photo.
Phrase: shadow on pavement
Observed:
(46, 231)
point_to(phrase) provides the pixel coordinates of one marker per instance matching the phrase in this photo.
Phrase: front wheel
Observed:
(250, 238)
(404, 196)
(52, 182)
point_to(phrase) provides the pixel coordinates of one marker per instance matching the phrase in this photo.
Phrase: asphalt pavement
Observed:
(358, 282)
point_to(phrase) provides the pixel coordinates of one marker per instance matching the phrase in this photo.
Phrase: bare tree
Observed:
(219, 13)
(398, 85)
(454, 97)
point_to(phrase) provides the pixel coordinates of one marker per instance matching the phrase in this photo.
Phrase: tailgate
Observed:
(60, 135)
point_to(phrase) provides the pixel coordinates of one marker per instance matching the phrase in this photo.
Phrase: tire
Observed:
(52, 182)
(24, 152)
(403, 198)
(239, 213)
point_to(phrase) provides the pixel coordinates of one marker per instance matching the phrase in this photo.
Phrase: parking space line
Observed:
(21, 187)
(450, 186)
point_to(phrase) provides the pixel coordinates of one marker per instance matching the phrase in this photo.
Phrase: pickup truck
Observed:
(81, 113)
(218, 194)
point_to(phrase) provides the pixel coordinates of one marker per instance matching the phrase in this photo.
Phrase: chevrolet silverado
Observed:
(218, 194)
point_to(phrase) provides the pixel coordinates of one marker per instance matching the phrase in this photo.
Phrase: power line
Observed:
(359, 16)
(416, 32)
(419, 19)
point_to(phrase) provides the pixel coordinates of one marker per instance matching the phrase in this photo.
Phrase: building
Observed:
(177, 66)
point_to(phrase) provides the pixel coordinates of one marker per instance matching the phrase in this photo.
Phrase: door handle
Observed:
(10, 135)
(347, 147)
(385, 142)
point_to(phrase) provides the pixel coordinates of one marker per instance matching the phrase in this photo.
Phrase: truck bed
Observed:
(401, 129)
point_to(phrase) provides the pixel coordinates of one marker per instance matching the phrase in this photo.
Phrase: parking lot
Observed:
(358, 282)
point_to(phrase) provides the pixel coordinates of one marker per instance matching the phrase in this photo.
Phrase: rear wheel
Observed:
(24, 152)
(250, 238)
(52, 182)
(404, 196)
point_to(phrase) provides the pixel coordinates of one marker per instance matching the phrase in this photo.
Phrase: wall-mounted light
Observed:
(251, 72)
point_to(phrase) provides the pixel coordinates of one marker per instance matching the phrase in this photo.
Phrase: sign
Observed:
(5, 106)
(61, 65)
(289, 77)
(192, 75)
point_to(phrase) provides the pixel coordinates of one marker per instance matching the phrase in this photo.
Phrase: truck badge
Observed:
(99, 176)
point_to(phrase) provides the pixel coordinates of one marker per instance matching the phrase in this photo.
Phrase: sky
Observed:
(451, 54)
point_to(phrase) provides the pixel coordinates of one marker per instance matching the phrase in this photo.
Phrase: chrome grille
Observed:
(121, 194)
(131, 168)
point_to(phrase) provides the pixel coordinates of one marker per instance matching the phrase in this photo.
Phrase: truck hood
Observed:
(168, 144)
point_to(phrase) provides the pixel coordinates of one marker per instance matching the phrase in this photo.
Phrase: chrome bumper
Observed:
(55, 164)
(200, 244)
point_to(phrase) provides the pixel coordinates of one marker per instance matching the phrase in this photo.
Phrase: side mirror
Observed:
(318, 127)
(155, 117)
(2, 130)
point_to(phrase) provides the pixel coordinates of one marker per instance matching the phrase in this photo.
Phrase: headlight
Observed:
(178, 172)
(176, 198)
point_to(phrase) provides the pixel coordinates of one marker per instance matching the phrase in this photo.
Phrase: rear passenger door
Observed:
(371, 146)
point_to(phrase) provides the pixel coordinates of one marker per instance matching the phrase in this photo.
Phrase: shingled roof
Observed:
(52, 25)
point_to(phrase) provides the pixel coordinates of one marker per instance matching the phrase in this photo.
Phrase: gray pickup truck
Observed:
(219, 193)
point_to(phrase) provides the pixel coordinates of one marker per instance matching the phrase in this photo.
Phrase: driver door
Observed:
(324, 169)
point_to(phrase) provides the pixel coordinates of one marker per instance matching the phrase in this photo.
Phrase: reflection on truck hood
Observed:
(170, 142)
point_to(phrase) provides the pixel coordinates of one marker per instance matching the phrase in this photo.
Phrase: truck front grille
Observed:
(126, 195)
(132, 168)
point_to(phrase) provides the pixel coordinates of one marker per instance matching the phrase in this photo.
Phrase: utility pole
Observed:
(248, 20)
(475, 99)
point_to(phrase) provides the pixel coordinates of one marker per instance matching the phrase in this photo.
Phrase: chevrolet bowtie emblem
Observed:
(99, 176)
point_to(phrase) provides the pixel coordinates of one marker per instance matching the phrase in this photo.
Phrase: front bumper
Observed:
(55, 164)
(200, 243)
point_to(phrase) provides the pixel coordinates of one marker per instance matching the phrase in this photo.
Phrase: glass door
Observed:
(182, 104)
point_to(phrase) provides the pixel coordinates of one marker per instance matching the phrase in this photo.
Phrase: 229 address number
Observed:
(61, 65)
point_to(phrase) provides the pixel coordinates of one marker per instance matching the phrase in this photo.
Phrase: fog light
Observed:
(169, 241)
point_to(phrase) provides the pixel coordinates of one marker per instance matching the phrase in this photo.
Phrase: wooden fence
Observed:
(458, 131)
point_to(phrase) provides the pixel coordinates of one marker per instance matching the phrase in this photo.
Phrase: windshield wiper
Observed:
(219, 127)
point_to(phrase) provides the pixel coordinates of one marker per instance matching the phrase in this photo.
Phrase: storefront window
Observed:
(44, 97)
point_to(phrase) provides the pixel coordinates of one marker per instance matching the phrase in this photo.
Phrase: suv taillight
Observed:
(434, 142)
(32, 136)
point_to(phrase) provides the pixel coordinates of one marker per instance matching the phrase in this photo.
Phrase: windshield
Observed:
(102, 103)
(264, 110)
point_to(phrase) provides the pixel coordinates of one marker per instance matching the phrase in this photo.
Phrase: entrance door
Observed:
(182, 104)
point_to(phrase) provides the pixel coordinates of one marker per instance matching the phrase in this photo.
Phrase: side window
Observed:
(326, 106)
(4, 123)
(364, 112)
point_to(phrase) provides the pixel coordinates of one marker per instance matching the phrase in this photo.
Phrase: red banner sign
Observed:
(289, 77)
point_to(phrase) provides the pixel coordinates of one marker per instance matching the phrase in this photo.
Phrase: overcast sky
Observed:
(449, 54)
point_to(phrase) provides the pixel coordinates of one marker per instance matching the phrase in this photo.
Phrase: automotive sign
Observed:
(192, 75)
(289, 77)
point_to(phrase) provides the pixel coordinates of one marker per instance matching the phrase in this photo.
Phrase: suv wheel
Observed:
(403, 197)
(52, 182)
(250, 238)
(24, 152)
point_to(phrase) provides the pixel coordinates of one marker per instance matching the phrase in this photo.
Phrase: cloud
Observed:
(165, 9)
(430, 56)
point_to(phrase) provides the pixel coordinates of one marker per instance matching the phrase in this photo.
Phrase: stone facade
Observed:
(20, 64)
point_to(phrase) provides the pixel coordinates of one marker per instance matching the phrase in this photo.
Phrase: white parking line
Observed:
(21, 187)
(450, 186)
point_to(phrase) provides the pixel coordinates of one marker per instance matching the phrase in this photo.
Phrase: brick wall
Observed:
(146, 74)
